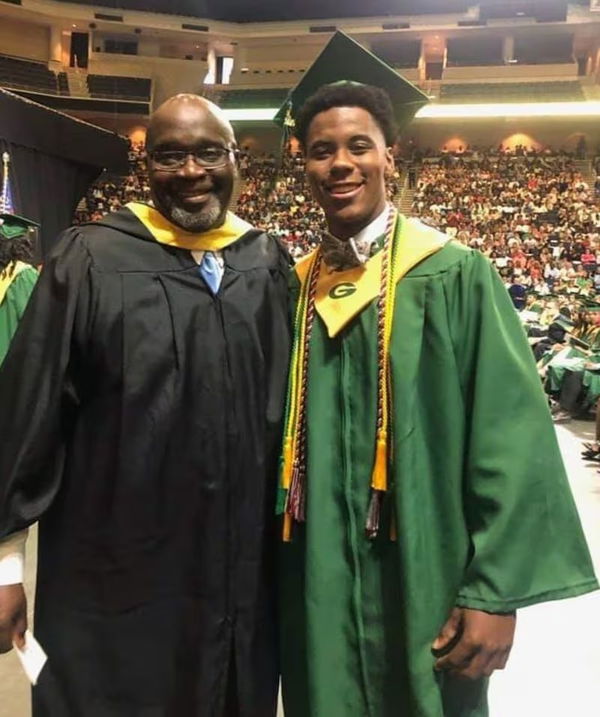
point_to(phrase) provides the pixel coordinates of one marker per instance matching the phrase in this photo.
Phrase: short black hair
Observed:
(372, 99)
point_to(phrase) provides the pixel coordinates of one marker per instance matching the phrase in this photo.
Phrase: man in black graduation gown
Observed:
(140, 420)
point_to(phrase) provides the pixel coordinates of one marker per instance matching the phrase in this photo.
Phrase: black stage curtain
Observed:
(53, 160)
(46, 189)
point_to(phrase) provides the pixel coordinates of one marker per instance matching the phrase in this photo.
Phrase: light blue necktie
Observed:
(210, 271)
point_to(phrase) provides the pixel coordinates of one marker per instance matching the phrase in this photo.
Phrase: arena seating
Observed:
(537, 229)
(558, 91)
(126, 88)
(27, 75)
(63, 84)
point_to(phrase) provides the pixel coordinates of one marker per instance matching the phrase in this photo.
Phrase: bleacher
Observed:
(125, 88)
(27, 74)
(558, 91)
(63, 84)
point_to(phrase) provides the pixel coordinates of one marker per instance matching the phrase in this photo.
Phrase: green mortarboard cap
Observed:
(564, 322)
(344, 60)
(13, 226)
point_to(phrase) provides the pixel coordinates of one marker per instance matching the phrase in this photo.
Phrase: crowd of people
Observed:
(111, 192)
(531, 212)
(157, 351)
(533, 215)
(273, 195)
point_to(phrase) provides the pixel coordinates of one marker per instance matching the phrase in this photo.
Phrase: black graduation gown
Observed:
(140, 422)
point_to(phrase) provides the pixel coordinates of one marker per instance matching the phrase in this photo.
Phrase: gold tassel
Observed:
(287, 528)
(286, 477)
(379, 478)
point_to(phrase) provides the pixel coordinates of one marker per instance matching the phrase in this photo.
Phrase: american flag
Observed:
(6, 199)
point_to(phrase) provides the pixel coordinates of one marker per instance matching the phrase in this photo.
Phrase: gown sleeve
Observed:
(527, 545)
(36, 389)
(23, 286)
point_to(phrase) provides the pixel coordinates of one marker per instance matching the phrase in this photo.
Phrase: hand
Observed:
(475, 643)
(13, 616)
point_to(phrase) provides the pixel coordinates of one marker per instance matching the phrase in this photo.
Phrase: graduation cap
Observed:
(13, 226)
(537, 307)
(591, 305)
(564, 322)
(343, 60)
(579, 343)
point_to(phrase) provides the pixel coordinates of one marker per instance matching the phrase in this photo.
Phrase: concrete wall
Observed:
(511, 73)
(258, 137)
(24, 39)
(170, 76)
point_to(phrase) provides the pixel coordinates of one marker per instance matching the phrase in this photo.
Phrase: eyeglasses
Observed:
(207, 157)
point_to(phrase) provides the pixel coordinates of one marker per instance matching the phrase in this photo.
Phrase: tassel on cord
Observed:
(296, 496)
(373, 515)
(287, 527)
(286, 481)
(288, 458)
(379, 477)
(293, 475)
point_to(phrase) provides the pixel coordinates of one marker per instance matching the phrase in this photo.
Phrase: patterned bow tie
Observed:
(340, 254)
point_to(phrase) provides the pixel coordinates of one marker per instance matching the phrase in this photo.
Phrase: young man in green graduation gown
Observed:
(423, 496)
(17, 275)
(142, 399)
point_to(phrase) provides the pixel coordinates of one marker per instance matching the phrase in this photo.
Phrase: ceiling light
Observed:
(467, 111)
(511, 109)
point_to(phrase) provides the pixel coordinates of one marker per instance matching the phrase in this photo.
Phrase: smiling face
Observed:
(192, 197)
(347, 162)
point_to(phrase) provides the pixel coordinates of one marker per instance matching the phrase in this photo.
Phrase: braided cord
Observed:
(384, 327)
(293, 472)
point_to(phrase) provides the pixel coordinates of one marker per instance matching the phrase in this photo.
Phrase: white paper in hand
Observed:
(32, 657)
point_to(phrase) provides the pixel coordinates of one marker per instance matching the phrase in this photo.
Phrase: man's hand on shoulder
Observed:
(13, 616)
(472, 643)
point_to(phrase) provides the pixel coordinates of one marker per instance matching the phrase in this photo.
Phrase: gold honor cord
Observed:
(293, 472)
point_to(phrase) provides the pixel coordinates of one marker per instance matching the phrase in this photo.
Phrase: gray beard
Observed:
(200, 221)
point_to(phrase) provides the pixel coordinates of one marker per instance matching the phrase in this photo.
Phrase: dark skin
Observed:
(193, 197)
(347, 163)
(472, 644)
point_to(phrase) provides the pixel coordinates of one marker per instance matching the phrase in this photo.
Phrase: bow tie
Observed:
(343, 254)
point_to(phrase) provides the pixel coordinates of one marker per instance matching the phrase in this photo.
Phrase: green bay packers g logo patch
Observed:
(341, 291)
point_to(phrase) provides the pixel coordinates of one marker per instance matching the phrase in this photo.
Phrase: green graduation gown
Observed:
(484, 514)
(15, 291)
